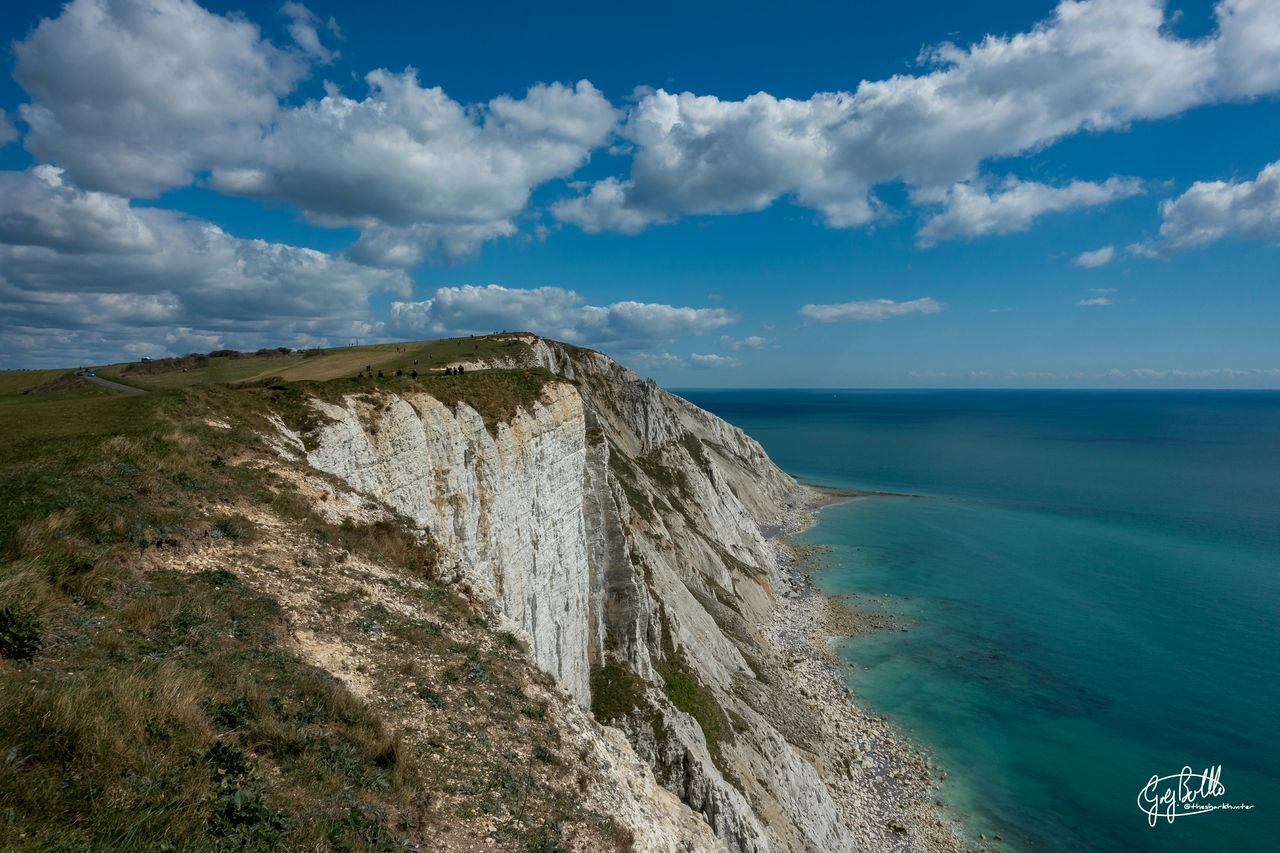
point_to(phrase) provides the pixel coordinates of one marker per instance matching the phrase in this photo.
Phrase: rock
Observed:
(613, 520)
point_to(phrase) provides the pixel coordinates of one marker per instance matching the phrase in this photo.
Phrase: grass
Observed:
(616, 691)
(112, 710)
(497, 395)
(143, 707)
(16, 381)
(333, 363)
(626, 477)
(218, 370)
(129, 743)
(688, 694)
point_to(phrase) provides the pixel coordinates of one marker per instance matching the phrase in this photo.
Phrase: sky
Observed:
(917, 194)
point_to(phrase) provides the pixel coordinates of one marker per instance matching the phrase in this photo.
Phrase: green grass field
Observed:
(334, 363)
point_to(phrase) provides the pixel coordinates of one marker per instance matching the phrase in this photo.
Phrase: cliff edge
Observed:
(621, 532)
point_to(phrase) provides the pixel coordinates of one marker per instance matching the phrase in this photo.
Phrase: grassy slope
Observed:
(166, 708)
(333, 364)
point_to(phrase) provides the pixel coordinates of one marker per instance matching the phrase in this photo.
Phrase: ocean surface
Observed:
(1092, 585)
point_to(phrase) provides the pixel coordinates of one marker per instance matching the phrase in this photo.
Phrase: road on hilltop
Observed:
(114, 386)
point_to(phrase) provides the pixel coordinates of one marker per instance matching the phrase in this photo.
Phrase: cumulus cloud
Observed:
(969, 211)
(1212, 210)
(304, 30)
(84, 272)
(869, 309)
(749, 342)
(1093, 65)
(554, 312)
(652, 360)
(420, 172)
(8, 132)
(135, 96)
(711, 361)
(1096, 258)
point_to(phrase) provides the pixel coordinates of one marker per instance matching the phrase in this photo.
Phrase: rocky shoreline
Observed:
(882, 784)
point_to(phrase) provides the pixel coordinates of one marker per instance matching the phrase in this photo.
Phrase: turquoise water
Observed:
(1093, 585)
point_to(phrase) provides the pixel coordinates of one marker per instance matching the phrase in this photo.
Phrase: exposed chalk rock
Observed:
(614, 521)
(506, 508)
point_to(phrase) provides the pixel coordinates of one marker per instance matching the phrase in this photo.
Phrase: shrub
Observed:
(430, 696)
(615, 691)
(20, 634)
(231, 527)
(229, 715)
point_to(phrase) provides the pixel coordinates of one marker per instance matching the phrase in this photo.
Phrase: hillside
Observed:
(531, 606)
(315, 364)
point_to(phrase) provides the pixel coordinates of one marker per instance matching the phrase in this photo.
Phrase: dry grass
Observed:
(168, 704)
(317, 366)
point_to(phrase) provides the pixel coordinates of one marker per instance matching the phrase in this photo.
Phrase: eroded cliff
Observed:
(624, 531)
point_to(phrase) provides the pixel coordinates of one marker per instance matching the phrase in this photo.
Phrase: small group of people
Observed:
(412, 373)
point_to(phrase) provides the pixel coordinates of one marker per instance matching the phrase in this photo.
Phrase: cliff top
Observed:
(229, 366)
(154, 690)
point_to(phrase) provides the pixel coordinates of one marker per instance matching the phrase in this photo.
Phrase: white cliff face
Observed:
(506, 508)
(612, 520)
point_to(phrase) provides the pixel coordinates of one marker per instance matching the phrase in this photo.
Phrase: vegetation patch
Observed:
(144, 705)
(498, 395)
(689, 695)
(616, 691)
(20, 634)
(671, 483)
(626, 477)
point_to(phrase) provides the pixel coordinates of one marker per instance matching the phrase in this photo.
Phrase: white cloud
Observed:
(554, 312)
(749, 342)
(303, 29)
(83, 273)
(968, 210)
(1096, 258)
(391, 247)
(1214, 373)
(135, 96)
(1212, 210)
(606, 207)
(869, 309)
(416, 169)
(8, 133)
(1093, 65)
(711, 361)
(1102, 296)
(652, 360)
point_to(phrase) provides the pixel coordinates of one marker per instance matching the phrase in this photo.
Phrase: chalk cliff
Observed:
(625, 531)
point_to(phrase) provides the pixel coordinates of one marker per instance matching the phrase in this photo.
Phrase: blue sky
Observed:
(926, 194)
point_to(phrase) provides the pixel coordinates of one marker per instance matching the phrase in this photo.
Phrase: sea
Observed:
(1090, 582)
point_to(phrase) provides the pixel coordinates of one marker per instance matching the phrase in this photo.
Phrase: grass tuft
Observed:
(20, 634)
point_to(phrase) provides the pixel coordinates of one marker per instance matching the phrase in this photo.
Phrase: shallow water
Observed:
(1092, 582)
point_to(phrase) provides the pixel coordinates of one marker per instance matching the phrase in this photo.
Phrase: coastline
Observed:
(883, 784)
(820, 497)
